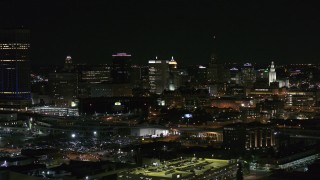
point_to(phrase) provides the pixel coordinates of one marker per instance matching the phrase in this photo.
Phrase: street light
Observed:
(73, 135)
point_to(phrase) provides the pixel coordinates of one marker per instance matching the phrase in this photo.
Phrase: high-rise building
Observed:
(216, 70)
(94, 74)
(158, 75)
(14, 68)
(234, 75)
(91, 75)
(272, 73)
(248, 75)
(140, 77)
(68, 65)
(173, 75)
(121, 68)
(163, 75)
(64, 85)
(212, 69)
(196, 76)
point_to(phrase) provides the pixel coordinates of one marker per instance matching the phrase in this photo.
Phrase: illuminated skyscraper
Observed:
(14, 67)
(272, 74)
(68, 66)
(158, 75)
(173, 75)
(163, 75)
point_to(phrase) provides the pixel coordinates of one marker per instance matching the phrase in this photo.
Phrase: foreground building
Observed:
(185, 169)
(241, 137)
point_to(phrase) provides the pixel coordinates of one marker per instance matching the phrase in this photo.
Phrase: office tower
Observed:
(248, 75)
(173, 75)
(121, 68)
(91, 75)
(262, 78)
(64, 85)
(140, 77)
(212, 69)
(234, 75)
(94, 74)
(14, 68)
(195, 76)
(158, 75)
(239, 137)
(216, 71)
(216, 77)
(272, 74)
(68, 65)
(262, 74)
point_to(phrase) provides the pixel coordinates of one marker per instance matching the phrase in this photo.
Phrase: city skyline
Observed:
(285, 31)
(161, 89)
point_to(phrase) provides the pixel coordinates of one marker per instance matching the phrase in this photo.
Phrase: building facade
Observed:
(14, 68)
(248, 75)
(158, 75)
(241, 137)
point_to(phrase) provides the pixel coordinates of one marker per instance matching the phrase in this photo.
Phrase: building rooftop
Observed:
(182, 166)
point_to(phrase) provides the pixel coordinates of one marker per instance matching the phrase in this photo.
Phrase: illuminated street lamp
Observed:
(73, 135)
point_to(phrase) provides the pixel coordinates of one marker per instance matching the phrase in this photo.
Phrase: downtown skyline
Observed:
(247, 31)
(159, 89)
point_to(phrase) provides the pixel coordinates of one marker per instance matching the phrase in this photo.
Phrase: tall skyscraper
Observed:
(173, 75)
(68, 66)
(89, 75)
(272, 73)
(234, 75)
(216, 71)
(163, 75)
(64, 85)
(248, 75)
(212, 69)
(121, 68)
(158, 75)
(14, 68)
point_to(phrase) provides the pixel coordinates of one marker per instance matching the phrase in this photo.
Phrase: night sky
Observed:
(90, 31)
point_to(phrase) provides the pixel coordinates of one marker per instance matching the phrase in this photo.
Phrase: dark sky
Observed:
(90, 31)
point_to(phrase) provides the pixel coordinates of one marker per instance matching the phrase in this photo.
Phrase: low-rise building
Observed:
(184, 169)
